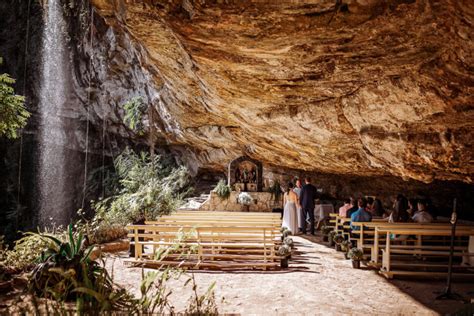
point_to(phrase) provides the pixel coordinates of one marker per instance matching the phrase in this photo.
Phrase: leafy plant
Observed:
(326, 229)
(149, 188)
(346, 245)
(288, 241)
(24, 253)
(287, 232)
(355, 254)
(338, 239)
(275, 190)
(222, 190)
(13, 113)
(134, 110)
(284, 250)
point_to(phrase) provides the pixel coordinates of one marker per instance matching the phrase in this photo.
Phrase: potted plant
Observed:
(331, 238)
(326, 230)
(356, 255)
(345, 247)
(245, 199)
(338, 239)
(285, 252)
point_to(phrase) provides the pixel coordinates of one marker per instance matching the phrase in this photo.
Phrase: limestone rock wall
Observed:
(370, 87)
(264, 202)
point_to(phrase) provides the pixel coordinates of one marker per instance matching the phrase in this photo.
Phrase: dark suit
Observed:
(308, 194)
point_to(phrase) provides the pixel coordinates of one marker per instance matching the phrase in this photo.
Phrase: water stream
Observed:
(54, 204)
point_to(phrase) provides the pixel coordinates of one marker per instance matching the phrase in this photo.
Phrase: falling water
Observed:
(53, 200)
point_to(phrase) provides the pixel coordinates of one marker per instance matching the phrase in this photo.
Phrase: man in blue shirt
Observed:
(361, 215)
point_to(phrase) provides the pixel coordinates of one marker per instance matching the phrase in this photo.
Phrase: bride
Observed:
(290, 211)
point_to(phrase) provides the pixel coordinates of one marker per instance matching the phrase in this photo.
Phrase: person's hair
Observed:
(370, 200)
(362, 202)
(307, 179)
(290, 186)
(413, 203)
(424, 203)
(347, 201)
(378, 208)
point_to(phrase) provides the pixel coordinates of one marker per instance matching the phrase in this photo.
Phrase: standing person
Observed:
(290, 217)
(297, 190)
(309, 193)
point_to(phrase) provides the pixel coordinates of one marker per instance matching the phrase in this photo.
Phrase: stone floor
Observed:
(319, 281)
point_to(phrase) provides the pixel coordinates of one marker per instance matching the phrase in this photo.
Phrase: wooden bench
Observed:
(219, 242)
(367, 238)
(430, 267)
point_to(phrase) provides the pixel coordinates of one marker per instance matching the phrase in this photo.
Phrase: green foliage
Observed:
(338, 239)
(222, 190)
(346, 245)
(13, 114)
(355, 254)
(284, 250)
(24, 253)
(134, 110)
(275, 190)
(149, 188)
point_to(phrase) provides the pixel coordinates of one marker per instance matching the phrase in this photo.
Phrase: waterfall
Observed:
(54, 203)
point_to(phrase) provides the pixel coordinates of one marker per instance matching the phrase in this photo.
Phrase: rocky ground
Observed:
(319, 281)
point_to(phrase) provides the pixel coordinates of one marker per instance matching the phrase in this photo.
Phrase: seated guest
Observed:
(353, 208)
(422, 215)
(370, 204)
(362, 215)
(343, 209)
(412, 207)
(399, 213)
(377, 208)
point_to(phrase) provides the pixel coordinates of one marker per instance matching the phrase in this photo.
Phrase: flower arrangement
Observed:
(355, 254)
(287, 232)
(244, 198)
(326, 229)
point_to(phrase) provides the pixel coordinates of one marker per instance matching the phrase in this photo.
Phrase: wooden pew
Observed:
(367, 238)
(430, 268)
(215, 247)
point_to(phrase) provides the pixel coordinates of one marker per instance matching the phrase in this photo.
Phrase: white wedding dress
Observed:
(290, 216)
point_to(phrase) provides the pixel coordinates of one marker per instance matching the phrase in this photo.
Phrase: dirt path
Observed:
(319, 281)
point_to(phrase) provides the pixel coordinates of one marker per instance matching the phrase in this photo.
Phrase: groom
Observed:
(308, 194)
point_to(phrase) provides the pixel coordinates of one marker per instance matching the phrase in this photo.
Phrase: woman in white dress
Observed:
(291, 204)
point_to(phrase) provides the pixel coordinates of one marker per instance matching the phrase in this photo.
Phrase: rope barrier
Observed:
(20, 157)
(88, 113)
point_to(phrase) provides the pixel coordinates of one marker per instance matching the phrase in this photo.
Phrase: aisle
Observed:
(319, 281)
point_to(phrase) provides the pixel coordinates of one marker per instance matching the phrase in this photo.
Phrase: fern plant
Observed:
(134, 110)
(222, 190)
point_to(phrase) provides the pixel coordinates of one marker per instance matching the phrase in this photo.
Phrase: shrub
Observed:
(222, 190)
(149, 189)
(355, 254)
(24, 253)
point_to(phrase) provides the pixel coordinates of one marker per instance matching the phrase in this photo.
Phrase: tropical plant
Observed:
(222, 190)
(275, 190)
(355, 254)
(244, 198)
(13, 113)
(149, 188)
(338, 239)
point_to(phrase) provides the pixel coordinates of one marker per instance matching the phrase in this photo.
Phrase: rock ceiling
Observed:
(373, 88)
